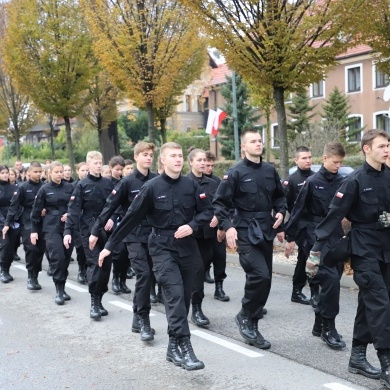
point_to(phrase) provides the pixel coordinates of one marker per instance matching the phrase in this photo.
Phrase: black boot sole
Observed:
(171, 360)
(149, 338)
(332, 346)
(222, 299)
(385, 383)
(361, 372)
(297, 300)
(243, 336)
(193, 368)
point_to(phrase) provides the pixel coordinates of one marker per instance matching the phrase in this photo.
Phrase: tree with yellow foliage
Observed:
(47, 50)
(283, 44)
(146, 46)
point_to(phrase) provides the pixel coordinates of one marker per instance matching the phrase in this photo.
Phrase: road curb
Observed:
(288, 270)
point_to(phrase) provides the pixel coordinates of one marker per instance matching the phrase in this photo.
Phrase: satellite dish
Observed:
(386, 94)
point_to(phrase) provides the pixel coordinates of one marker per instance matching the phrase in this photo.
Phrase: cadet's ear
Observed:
(366, 148)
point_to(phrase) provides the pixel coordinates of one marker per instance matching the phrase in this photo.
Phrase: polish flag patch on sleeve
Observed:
(15, 192)
(113, 192)
(72, 198)
(340, 195)
(202, 196)
(225, 177)
(285, 183)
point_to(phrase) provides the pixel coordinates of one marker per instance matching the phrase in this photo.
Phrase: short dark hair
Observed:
(334, 149)
(370, 135)
(301, 149)
(129, 162)
(244, 132)
(35, 164)
(210, 155)
(117, 160)
(4, 167)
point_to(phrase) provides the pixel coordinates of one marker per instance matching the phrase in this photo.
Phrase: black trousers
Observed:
(33, 253)
(7, 246)
(97, 277)
(78, 244)
(372, 321)
(218, 260)
(329, 279)
(300, 277)
(205, 246)
(120, 260)
(59, 256)
(256, 261)
(176, 276)
(142, 266)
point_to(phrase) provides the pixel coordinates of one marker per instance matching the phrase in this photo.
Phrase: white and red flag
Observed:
(214, 121)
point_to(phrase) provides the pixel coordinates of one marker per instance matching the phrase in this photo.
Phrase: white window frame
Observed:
(361, 133)
(273, 146)
(346, 78)
(323, 90)
(375, 114)
(374, 71)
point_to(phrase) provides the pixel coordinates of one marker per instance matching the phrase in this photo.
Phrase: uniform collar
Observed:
(252, 164)
(327, 175)
(169, 179)
(34, 183)
(55, 185)
(139, 175)
(305, 172)
(196, 178)
(3, 183)
(372, 171)
(94, 178)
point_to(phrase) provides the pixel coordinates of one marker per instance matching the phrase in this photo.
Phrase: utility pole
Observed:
(237, 155)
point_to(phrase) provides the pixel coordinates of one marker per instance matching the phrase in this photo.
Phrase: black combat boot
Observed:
(130, 273)
(314, 296)
(153, 296)
(384, 358)
(260, 342)
(136, 326)
(5, 277)
(146, 330)
(122, 284)
(245, 325)
(95, 311)
(173, 353)
(59, 299)
(197, 317)
(317, 327)
(208, 278)
(82, 275)
(65, 294)
(160, 298)
(16, 257)
(103, 311)
(189, 360)
(298, 296)
(329, 334)
(50, 271)
(116, 287)
(30, 283)
(358, 363)
(34, 278)
(219, 293)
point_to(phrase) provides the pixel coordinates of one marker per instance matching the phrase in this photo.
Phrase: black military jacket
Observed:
(254, 188)
(22, 202)
(54, 198)
(123, 195)
(215, 178)
(7, 191)
(361, 198)
(312, 205)
(86, 203)
(167, 203)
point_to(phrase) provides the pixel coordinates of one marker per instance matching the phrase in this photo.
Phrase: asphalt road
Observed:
(45, 346)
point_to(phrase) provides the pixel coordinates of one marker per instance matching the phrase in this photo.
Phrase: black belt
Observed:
(371, 225)
(55, 212)
(252, 214)
(164, 232)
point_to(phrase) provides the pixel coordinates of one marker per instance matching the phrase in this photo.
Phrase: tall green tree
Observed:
(281, 43)
(148, 48)
(245, 115)
(300, 113)
(48, 52)
(135, 126)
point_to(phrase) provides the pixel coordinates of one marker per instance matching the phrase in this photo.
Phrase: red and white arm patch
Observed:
(202, 196)
(340, 195)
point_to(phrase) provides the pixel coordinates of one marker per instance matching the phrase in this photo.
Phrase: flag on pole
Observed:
(214, 121)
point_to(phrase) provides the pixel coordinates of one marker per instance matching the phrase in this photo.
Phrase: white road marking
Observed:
(337, 386)
(22, 267)
(227, 344)
(125, 306)
(76, 288)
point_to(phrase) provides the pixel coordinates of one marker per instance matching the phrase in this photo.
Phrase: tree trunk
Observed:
(69, 142)
(53, 153)
(17, 143)
(163, 123)
(282, 126)
(268, 136)
(150, 112)
(109, 141)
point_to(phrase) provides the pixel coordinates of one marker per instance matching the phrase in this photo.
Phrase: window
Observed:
(353, 78)
(317, 89)
(382, 121)
(188, 103)
(275, 135)
(381, 79)
(354, 130)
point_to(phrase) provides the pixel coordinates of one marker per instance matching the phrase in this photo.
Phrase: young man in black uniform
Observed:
(136, 240)
(292, 185)
(253, 188)
(310, 208)
(364, 199)
(175, 207)
(86, 203)
(22, 202)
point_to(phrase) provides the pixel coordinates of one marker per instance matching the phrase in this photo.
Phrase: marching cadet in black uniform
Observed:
(292, 185)
(253, 188)
(86, 203)
(22, 202)
(175, 207)
(136, 240)
(7, 245)
(364, 199)
(205, 237)
(310, 208)
(54, 197)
